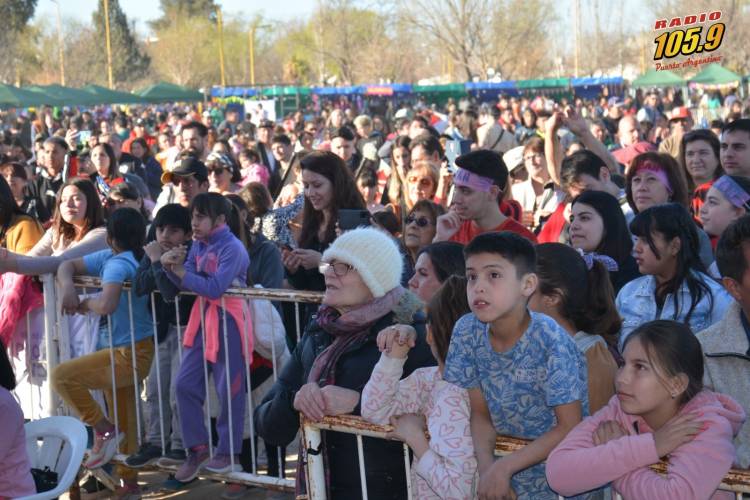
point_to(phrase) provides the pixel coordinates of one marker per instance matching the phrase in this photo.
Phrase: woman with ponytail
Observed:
(574, 290)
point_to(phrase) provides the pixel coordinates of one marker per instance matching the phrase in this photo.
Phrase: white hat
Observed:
(373, 254)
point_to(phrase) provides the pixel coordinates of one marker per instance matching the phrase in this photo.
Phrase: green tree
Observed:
(173, 11)
(14, 36)
(129, 62)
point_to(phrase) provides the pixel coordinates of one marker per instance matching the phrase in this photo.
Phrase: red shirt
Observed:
(469, 230)
(554, 226)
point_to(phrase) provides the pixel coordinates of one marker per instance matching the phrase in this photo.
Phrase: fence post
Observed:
(316, 475)
(50, 337)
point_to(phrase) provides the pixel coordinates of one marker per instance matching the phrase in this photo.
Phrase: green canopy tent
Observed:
(65, 96)
(715, 74)
(109, 96)
(287, 98)
(168, 92)
(13, 97)
(551, 87)
(653, 78)
(439, 94)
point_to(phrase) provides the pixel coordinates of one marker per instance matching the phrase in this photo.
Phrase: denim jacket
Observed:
(636, 304)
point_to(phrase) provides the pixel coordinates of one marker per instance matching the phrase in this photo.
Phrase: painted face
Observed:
(419, 229)
(493, 286)
(318, 189)
(170, 236)
(648, 190)
(345, 288)
(586, 228)
(73, 205)
(700, 161)
(641, 386)
(425, 282)
(717, 212)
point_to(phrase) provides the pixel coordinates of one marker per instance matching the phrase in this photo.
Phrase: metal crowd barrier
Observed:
(737, 481)
(57, 349)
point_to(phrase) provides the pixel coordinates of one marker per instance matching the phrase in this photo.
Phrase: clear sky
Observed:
(145, 10)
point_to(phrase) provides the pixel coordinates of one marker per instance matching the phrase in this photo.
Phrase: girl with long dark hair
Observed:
(674, 284)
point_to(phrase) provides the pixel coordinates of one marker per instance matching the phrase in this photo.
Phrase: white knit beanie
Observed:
(373, 254)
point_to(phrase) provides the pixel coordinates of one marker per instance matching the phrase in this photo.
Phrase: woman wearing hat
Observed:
(334, 360)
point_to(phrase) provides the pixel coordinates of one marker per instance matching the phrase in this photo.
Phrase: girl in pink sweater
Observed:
(660, 411)
(444, 467)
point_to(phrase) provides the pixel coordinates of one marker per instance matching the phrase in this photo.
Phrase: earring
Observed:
(674, 396)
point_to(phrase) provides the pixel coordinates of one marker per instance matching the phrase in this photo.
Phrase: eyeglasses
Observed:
(420, 221)
(217, 170)
(339, 268)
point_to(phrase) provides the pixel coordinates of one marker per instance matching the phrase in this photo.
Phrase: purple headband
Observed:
(463, 177)
(658, 172)
(606, 260)
(733, 192)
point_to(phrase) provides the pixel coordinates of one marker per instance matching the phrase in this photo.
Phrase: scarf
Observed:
(348, 329)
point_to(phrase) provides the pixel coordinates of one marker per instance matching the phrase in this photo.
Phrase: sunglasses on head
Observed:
(420, 221)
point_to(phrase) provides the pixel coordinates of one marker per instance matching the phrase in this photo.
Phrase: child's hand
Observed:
(407, 427)
(154, 251)
(174, 257)
(494, 483)
(678, 431)
(396, 340)
(607, 431)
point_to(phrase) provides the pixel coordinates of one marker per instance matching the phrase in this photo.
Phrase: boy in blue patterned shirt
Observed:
(524, 374)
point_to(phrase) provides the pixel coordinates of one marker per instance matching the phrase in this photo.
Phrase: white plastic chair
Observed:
(58, 443)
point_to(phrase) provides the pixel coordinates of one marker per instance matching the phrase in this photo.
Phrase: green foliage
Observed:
(175, 10)
(129, 63)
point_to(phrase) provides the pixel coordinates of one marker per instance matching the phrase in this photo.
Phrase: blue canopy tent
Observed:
(222, 92)
(590, 87)
(490, 91)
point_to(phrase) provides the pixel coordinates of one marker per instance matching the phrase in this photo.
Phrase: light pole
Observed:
(219, 23)
(60, 43)
(251, 48)
(109, 45)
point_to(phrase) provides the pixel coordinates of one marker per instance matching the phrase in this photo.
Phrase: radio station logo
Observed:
(695, 36)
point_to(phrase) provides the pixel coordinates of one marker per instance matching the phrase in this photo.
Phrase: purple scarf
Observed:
(348, 329)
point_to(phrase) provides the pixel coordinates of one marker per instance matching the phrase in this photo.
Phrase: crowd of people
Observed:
(570, 272)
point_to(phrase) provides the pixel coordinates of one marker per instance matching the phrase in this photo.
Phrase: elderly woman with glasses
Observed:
(335, 357)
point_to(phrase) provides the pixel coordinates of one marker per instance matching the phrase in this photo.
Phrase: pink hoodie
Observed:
(695, 469)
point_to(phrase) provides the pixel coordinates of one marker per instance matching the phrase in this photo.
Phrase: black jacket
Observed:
(277, 422)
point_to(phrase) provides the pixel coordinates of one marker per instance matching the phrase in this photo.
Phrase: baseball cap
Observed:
(266, 124)
(140, 122)
(615, 101)
(680, 113)
(188, 166)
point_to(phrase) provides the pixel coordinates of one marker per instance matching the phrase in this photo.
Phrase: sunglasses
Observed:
(217, 170)
(420, 221)
(339, 268)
